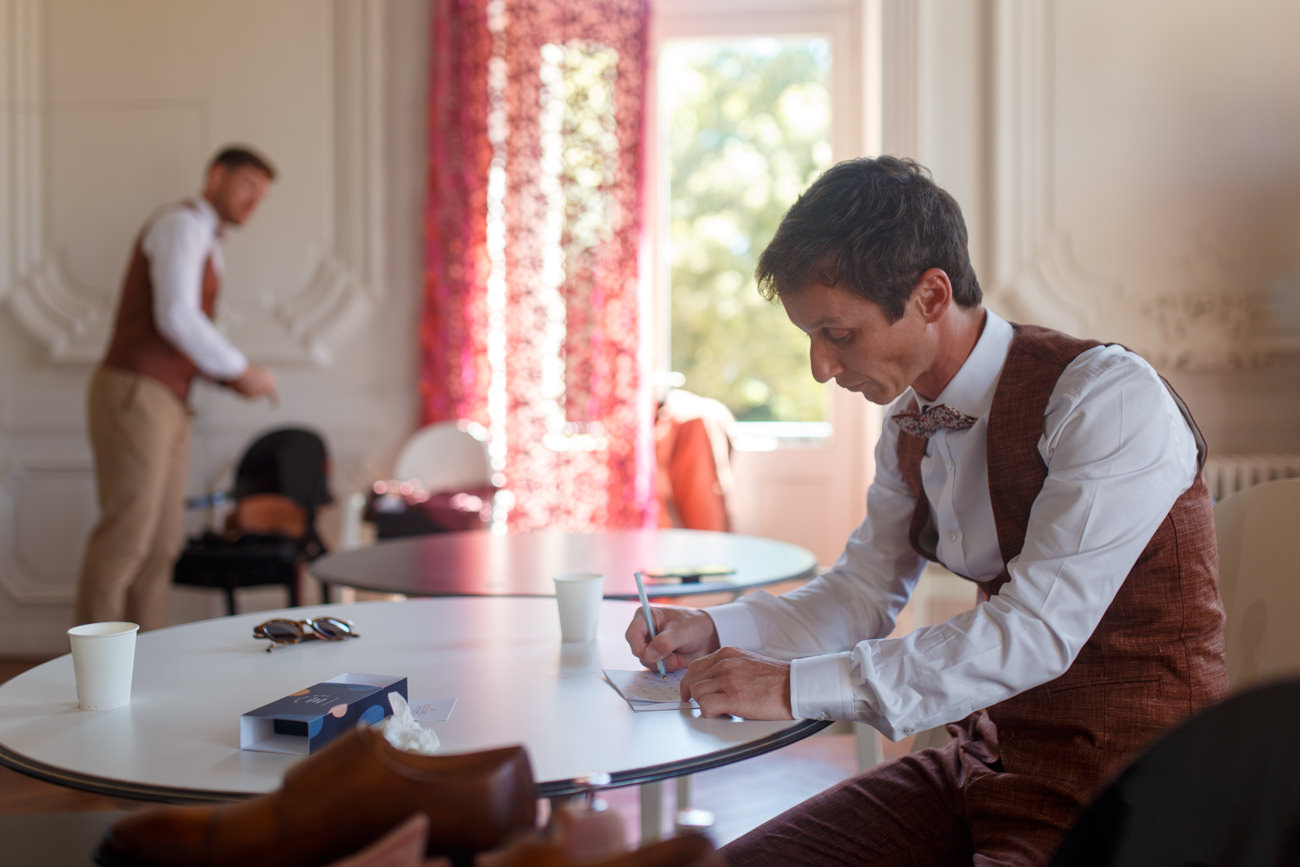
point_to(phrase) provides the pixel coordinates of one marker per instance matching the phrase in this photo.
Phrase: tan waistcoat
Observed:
(1158, 653)
(136, 344)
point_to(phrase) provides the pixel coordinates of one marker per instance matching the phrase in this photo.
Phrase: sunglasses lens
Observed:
(279, 630)
(332, 628)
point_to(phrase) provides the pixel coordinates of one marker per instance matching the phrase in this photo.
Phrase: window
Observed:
(744, 126)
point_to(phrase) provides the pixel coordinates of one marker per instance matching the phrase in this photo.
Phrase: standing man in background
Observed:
(137, 401)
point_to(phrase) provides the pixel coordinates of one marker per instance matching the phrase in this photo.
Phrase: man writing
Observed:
(1061, 476)
(137, 400)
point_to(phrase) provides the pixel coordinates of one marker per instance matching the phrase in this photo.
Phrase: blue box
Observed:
(303, 722)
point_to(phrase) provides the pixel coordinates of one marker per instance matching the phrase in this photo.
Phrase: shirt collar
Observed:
(971, 389)
(208, 214)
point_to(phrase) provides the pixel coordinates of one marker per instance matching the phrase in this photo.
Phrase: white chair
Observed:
(1258, 531)
(446, 455)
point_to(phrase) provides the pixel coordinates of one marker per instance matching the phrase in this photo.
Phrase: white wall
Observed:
(112, 109)
(1129, 173)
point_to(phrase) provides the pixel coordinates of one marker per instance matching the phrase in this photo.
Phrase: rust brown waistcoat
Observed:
(1158, 653)
(136, 344)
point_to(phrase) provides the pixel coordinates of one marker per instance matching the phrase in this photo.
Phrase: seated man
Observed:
(1060, 475)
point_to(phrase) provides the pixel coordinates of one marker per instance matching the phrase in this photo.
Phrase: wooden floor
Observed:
(740, 796)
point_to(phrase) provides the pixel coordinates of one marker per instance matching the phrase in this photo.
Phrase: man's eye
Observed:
(839, 335)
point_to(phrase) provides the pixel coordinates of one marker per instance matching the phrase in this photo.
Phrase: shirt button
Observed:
(823, 716)
(953, 537)
(948, 463)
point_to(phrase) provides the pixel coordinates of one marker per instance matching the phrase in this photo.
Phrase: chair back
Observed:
(1218, 788)
(1258, 534)
(445, 456)
(292, 461)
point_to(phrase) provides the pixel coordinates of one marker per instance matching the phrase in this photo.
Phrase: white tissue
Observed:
(402, 731)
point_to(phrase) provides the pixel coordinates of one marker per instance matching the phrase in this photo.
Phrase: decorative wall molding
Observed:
(22, 25)
(897, 54)
(328, 307)
(359, 142)
(1051, 286)
(1217, 324)
(31, 494)
(68, 320)
(1036, 275)
(71, 322)
(1212, 323)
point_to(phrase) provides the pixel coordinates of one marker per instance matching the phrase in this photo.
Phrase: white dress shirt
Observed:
(177, 243)
(1118, 454)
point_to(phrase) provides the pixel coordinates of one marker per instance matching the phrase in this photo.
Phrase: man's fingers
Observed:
(709, 694)
(735, 682)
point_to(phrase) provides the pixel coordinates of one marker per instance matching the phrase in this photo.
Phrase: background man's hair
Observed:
(873, 226)
(237, 156)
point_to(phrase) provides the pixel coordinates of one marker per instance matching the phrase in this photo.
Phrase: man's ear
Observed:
(933, 294)
(215, 174)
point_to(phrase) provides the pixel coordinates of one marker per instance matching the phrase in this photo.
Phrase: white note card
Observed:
(646, 690)
(432, 710)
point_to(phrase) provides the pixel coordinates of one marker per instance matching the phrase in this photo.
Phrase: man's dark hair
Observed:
(873, 226)
(236, 156)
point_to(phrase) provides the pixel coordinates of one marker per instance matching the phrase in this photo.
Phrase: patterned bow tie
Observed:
(925, 422)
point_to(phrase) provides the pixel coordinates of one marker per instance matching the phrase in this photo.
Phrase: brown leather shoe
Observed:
(334, 803)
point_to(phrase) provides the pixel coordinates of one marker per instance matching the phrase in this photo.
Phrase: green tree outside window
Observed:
(747, 128)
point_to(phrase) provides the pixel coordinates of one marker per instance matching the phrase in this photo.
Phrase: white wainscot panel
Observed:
(47, 508)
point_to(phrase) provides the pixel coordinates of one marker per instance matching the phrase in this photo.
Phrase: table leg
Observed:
(683, 786)
(867, 740)
(652, 811)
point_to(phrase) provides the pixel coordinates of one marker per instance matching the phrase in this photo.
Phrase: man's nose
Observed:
(824, 363)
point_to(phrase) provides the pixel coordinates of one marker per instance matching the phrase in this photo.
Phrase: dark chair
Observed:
(1222, 788)
(270, 534)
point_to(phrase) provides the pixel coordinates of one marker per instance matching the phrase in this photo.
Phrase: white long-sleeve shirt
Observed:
(1118, 454)
(177, 243)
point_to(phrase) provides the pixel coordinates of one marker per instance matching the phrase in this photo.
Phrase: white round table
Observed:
(500, 658)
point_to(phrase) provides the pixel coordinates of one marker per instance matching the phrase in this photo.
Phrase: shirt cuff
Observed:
(821, 687)
(231, 368)
(736, 625)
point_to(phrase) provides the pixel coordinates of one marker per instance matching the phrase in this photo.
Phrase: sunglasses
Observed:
(281, 631)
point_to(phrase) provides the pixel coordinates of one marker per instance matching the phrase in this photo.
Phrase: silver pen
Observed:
(649, 619)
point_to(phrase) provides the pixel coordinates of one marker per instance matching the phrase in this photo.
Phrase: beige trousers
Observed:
(140, 439)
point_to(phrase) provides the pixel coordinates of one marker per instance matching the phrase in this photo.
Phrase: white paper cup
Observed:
(578, 595)
(103, 659)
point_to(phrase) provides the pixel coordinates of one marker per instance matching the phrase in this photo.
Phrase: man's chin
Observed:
(871, 396)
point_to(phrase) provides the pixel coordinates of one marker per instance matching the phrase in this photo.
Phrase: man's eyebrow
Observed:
(826, 322)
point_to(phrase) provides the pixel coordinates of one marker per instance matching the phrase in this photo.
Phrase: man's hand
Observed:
(256, 381)
(733, 681)
(682, 634)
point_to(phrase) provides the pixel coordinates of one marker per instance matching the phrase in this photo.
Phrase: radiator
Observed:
(1227, 474)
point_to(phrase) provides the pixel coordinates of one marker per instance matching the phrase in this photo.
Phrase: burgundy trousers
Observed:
(948, 806)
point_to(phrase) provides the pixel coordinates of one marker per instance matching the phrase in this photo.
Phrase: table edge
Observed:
(96, 785)
(665, 590)
(684, 767)
(548, 789)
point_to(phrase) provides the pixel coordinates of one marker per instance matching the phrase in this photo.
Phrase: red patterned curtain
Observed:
(533, 222)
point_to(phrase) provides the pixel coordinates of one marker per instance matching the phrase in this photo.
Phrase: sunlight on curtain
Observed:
(533, 226)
